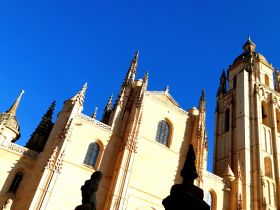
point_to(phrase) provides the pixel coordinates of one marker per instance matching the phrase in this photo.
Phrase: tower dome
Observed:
(9, 124)
(249, 49)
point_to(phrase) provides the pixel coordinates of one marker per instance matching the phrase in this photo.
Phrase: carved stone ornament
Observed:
(239, 205)
(66, 132)
(55, 163)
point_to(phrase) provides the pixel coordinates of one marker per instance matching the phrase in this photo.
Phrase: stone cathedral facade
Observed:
(140, 145)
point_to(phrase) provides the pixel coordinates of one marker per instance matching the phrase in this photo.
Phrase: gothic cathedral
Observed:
(141, 142)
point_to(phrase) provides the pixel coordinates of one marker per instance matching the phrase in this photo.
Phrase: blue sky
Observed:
(50, 48)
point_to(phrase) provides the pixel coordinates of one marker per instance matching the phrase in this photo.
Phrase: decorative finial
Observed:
(146, 77)
(229, 175)
(95, 113)
(166, 89)
(249, 38)
(14, 107)
(136, 55)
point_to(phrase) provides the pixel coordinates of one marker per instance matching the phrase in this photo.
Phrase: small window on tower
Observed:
(16, 182)
(264, 114)
(266, 80)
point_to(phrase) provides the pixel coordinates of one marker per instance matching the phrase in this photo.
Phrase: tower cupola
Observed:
(249, 46)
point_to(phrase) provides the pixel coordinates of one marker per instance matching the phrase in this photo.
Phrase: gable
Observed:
(164, 97)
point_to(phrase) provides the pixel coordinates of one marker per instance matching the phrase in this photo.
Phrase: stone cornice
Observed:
(9, 146)
(213, 176)
(94, 121)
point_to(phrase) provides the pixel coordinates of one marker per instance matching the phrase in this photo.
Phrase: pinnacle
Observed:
(14, 107)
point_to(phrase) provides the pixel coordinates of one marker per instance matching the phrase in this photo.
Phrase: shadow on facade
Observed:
(19, 174)
(183, 151)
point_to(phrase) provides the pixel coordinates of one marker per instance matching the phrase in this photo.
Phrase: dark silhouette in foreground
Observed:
(186, 196)
(89, 190)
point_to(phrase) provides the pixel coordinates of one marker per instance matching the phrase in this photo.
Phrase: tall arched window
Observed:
(15, 183)
(265, 114)
(266, 80)
(208, 198)
(92, 154)
(278, 120)
(163, 132)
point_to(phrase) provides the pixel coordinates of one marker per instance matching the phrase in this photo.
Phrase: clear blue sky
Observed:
(50, 48)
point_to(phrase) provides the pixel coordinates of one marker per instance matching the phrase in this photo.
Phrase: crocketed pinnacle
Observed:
(14, 107)
(132, 70)
(146, 77)
(223, 84)
(94, 113)
(202, 103)
(80, 96)
(109, 103)
(39, 137)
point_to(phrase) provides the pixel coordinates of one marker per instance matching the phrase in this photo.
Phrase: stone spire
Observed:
(40, 136)
(80, 96)
(109, 103)
(131, 73)
(107, 111)
(14, 107)
(223, 84)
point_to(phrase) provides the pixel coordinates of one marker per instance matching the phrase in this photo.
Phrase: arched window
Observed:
(227, 120)
(278, 120)
(15, 183)
(163, 132)
(208, 198)
(267, 167)
(92, 154)
(266, 80)
(264, 114)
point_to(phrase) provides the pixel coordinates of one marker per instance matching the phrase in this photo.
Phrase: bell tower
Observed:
(247, 138)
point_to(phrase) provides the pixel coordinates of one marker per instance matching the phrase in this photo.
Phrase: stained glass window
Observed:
(163, 132)
(92, 154)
